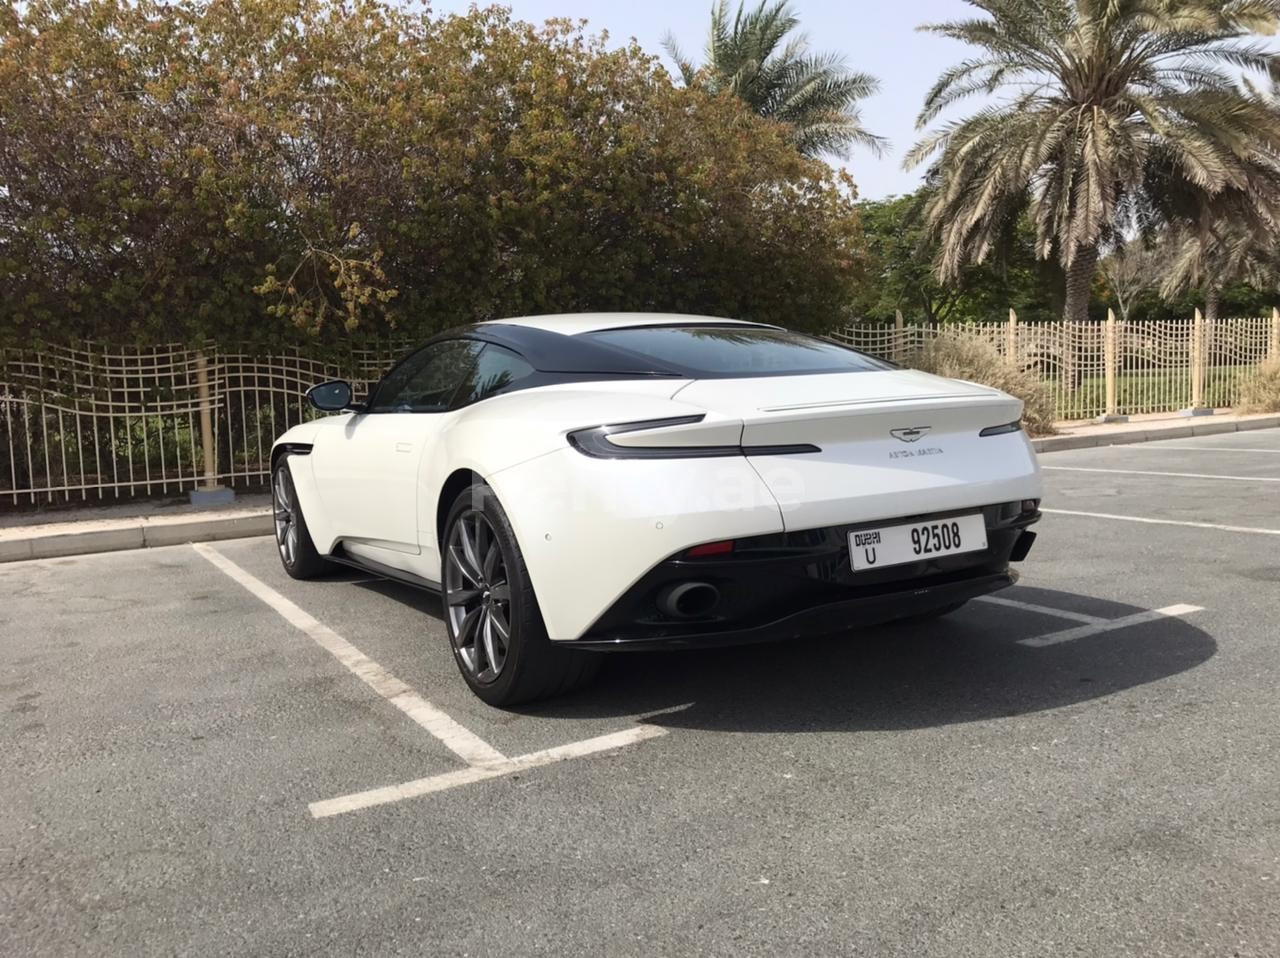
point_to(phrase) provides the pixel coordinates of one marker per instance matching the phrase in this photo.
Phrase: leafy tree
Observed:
(314, 170)
(1117, 114)
(814, 94)
(900, 276)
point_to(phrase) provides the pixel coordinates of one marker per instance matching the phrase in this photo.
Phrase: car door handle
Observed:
(404, 447)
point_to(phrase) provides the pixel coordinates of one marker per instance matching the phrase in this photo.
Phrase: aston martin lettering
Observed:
(913, 453)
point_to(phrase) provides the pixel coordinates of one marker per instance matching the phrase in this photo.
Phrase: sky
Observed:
(875, 36)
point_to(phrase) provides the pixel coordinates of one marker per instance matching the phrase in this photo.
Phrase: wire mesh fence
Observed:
(98, 423)
(1153, 367)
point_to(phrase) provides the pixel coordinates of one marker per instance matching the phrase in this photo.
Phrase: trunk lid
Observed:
(893, 443)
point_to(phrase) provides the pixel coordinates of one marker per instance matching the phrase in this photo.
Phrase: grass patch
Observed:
(1161, 390)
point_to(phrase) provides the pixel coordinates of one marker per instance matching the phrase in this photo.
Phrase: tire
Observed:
(297, 552)
(486, 590)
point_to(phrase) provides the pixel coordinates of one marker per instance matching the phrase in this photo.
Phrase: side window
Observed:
(496, 369)
(427, 380)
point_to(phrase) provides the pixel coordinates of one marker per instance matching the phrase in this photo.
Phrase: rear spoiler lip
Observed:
(883, 403)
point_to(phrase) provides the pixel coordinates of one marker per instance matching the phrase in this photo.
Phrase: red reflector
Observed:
(711, 549)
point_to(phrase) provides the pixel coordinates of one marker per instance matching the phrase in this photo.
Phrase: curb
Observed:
(1210, 428)
(135, 535)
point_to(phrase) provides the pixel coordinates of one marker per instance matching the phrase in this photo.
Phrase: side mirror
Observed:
(333, 396)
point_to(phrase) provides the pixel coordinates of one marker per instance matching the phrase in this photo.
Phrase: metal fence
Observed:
(98, 423)
(1110, 368)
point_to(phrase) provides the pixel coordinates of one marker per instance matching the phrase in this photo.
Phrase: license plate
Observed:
(916, 541)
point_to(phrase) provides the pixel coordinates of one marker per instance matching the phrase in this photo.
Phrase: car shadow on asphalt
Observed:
(963, 668)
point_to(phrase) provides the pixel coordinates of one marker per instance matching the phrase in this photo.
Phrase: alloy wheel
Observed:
(478, 596)
(284, 504)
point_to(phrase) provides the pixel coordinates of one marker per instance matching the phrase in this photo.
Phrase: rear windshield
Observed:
(736, 351)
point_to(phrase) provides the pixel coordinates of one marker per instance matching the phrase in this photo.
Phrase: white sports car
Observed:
(586, 483)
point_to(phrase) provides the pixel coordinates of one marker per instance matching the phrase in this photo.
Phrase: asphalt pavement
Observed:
(199, 755)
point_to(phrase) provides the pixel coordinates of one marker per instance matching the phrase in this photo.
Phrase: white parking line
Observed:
(1169, 475)
(1163, 522)
(1156, 447)
(1042, 609)
(466, 776)
(462, 742)
(1110, 625)
(483, 760)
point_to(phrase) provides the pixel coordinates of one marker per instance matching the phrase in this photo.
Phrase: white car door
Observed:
(367, 471)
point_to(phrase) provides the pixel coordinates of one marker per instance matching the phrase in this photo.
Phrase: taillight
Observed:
(594, 442)
(1003, 429)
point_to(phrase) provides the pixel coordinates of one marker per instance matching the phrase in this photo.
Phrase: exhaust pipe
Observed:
(1022, 546)
(688, 600)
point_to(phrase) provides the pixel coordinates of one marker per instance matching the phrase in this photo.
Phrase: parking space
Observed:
(1231, 479)
(200, 754)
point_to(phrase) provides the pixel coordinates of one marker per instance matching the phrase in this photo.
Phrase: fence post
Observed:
(1011, 337)
(1111, 370)
(899, 335)
(1198, 352)
(209, 493)
(1274, 351)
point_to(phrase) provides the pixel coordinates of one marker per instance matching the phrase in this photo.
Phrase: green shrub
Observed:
(153, 440)
(957, 356)
(1261, 390)
(312, 171)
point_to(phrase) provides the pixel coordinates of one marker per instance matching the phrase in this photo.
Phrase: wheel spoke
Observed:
(490, 651)
(291, 541)
(460, 560)
(462, 596)
(499, 619)
(500, 592)
(467, 627)
(469, 551)
(482, 539)
(496, 647)
(492, 559)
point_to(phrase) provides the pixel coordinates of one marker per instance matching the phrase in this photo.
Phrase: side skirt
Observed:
(340, 556)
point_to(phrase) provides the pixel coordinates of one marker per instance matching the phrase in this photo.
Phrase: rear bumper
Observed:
(820, 620)
(801, 583)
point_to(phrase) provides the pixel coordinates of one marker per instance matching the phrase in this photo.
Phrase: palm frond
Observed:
(1107, 116)
(756, 54)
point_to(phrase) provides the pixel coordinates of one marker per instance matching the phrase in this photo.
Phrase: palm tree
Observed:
(813, 93)
(1220, 240)
(1208, 260)
(1107, 118)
